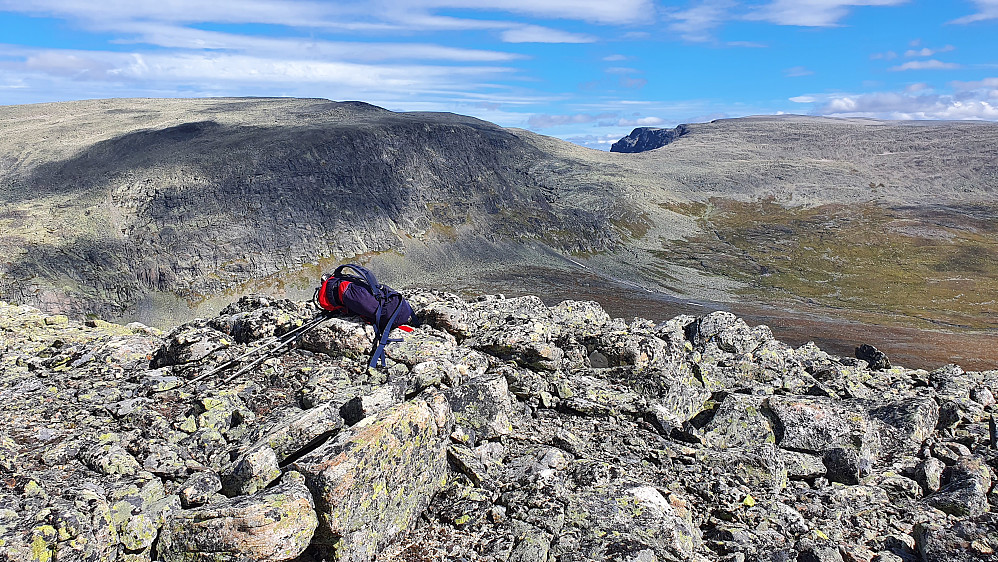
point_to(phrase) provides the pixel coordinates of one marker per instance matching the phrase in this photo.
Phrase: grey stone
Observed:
(846, 465)
(360, 407)
(874, 357)
(199, 488)
(374, 479)
(482, 406)
(252, 471)
(275, 525)
(966, 493)
(816, 425)
(739, 421)
(929, 473)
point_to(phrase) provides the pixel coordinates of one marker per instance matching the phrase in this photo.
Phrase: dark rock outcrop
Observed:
(643, 139)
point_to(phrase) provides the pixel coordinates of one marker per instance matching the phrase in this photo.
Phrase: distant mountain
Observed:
(160, 209)
(108, 203)
(643, 139)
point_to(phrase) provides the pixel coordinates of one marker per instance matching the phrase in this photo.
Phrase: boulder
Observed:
(190, 343)
(254, 317)
(846, 465)
(109, 457)
(915, 418)
(876, 359)
(526, 341)
(346, 337)
(968, 540)
(815, 425)
(199, 488)
(482, 407)
(966, 494)
(639, 351)
(252, 471)
(300, 429)
(633, 521)
(374, 479)
(739, 421)
(360, 407)
(580, 319)
(929, 473)
(274, 525)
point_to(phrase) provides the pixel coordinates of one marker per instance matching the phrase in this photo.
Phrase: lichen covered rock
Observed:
(503, 429)
(373, 480)
(274, 525)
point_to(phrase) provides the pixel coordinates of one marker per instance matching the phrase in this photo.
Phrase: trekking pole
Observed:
(263, 346)
(286, 340)
(258, 360)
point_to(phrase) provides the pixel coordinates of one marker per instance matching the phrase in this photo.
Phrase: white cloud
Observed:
(596, 11)
(604, 119)
(931, 64)
(538, 34)
(891, 105)
(797, 71)
(343, 14)
(975, 85)
(633, 83)
(621, 70)
(599, 142)
(110, 13)
(803, 99)
(641, 122)
(917, 87)
(544, 121)
(698, 23)
(927, 52)
(812, 13)
(227, 72)
(71, 65)
(615, 58)
(889, 55)
(987, 10)
(174, 36)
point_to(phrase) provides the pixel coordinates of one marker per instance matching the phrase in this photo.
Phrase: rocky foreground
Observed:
(503, 430)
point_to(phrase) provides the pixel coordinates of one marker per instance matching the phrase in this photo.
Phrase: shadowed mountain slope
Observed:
(127, 198)
(159, 209)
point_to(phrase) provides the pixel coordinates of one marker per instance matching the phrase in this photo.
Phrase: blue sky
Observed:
(583, 70)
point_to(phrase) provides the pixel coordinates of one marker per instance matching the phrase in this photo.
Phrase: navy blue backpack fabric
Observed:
(361, 294)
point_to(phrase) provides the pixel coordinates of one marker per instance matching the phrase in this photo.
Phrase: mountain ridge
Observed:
(160, 210)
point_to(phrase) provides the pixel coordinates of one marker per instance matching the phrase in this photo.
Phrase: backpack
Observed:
(360, 293)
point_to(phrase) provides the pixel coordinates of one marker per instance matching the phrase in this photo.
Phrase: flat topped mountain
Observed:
(158, 210)
(109, 201)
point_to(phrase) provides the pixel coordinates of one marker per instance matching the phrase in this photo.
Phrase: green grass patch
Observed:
(933, 266)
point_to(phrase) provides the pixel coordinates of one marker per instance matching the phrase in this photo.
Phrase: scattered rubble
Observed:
(503, 429)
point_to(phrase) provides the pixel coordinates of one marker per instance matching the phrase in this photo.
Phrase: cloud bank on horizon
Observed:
(584, 70)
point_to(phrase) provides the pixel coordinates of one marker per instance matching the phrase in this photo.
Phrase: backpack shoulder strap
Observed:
(382, 339)
(362, 274)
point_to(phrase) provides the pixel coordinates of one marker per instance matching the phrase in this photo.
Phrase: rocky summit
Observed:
(502, 429)
(642, 139)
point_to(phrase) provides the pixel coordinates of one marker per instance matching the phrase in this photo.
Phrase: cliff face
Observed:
(197, 197)
(502, 429)
(642, 139)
